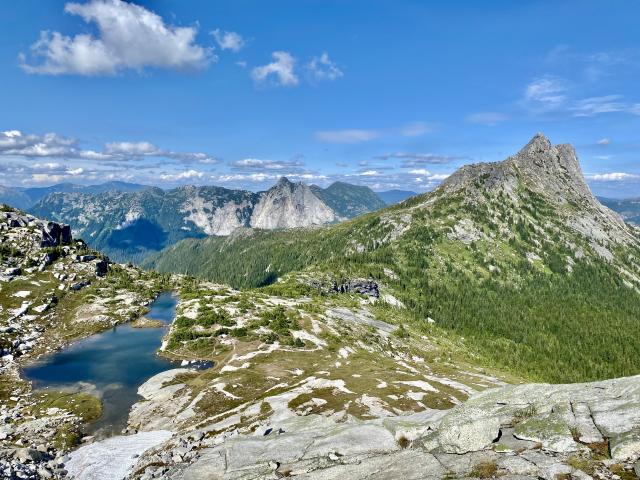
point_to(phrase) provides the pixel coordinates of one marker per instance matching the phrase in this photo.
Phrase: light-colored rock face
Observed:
(112, 458)
(289, 205)
(550, 171)
(215, 220)
(526, 431)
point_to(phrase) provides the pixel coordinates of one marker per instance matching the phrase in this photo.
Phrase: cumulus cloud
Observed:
(346, 136)
(14, 143)
(604, 141)
(262, 177)
(129, 37)
(612, 177)
(322, 68)
(186, 175)
(487, 118)
(228, 40)
(130, 148)
(281, 69)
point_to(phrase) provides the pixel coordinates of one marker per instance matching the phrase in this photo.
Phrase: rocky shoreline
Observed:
(49, 287)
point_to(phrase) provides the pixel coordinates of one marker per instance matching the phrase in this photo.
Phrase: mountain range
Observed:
(387, 343)
(128, 225)
(517, 256)
(629, 208)
(24, 198)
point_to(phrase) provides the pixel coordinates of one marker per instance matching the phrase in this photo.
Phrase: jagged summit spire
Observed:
(538, 144)
(283, 181)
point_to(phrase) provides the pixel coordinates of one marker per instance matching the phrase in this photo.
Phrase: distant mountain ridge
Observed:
(131, 224)
(391, 197)
(24, 198)
(516, 256)
(628, 208)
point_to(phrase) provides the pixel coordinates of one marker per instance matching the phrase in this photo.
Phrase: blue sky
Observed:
(390, 94)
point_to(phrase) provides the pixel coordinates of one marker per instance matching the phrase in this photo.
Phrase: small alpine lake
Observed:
(110, 365)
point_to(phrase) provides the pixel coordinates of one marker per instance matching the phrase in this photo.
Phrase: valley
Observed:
(133, 222)
(402, 343)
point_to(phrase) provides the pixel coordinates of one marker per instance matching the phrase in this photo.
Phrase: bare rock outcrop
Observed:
(290, 205)
(519, 431)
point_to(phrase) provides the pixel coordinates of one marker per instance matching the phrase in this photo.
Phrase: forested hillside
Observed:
(522, 262)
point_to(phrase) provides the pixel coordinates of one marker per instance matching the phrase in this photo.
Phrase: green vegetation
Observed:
(349, 200)
(518, 292)
(85, 406)
(486, 469)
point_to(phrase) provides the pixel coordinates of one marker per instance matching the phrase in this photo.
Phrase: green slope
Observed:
(492, 255)
(348, 200)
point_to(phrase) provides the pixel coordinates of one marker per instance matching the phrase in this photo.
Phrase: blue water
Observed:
(111, 364)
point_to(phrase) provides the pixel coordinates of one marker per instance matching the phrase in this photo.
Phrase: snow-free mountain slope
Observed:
(517, 256)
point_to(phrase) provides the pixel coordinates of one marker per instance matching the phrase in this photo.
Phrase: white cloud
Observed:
(420, 171)
(228, 40)
(439, 176)
(186, 175)
(259, 164)
(16, 144)
(322, 68)
(48, 166)
(129, 37)
(604, 141)
(589, 107)
(282, 68)
(264, 177)
(487, 118)
(346, 136)
(130, 148)
(415, 129)
(550, 94)
(546, 93)
(612, 177)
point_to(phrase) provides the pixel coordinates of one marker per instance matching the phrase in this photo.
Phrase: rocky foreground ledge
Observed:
(589, 430)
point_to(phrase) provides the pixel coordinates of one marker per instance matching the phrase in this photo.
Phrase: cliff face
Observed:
(130, 225)
(289, 205)
(551, 172)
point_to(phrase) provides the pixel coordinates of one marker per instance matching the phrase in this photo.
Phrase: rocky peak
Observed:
(284, 182)
(553, 171)
(288, 205)
(549, 170)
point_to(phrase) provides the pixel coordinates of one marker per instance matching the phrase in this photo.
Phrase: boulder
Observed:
(468, 430)
(102, 267)
(363, 287)
(50, 235)
(65, 235)
(30, 455)
(550, 431)
(80, 285)
(626, 446)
